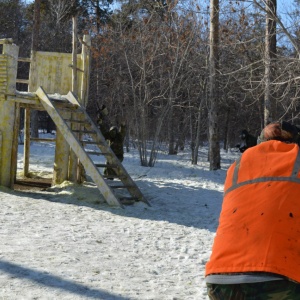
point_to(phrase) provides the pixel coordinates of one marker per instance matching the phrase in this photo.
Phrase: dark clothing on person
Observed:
(115, 138)
(248, 139)
(242, 148)
(277, 290)
(102, 119)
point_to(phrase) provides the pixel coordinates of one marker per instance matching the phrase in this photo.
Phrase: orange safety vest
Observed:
(259, 225)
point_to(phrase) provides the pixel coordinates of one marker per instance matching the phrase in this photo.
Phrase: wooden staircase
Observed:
(80, 132)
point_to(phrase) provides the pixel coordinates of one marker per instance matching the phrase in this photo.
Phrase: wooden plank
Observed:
(96, 153)
(26, 81)
(84, 131)
(23, 100)
(26, 142)
(61, 160)
(50, 70)
(14, 152)
(90, 143)
(26, 95)
(105, 165)
(85, 65)
(76, 121)
(7, 114)
(42, 140)
(32, 106)
(73, 160)
(120, 186)
(24, 59)
(6, 41)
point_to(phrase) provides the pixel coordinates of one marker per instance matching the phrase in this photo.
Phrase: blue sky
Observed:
(284, 7)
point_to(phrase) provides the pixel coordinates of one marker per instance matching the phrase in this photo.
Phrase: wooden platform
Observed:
(35, 184)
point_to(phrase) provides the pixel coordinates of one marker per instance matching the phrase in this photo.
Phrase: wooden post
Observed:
(61, 161)
(84, 87)
(73, 167)
(26, 142)
(74, 58)
(85, 60)
(7, 113)
(14, 153)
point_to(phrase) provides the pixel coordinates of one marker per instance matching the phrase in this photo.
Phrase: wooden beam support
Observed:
(26, 142)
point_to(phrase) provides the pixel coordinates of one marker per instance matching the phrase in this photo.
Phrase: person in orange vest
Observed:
(256, 250)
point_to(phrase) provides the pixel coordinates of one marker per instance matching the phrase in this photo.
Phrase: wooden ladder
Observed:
(80, 131)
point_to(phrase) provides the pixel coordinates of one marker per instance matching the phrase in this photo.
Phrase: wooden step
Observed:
(72, 109)
(106, 166)
(121, 186)
(97, 153)
(60, 100)
(90, 143)
(76, 121)
(128, 200)
(114, 176)
(62, 104)
(84, 131)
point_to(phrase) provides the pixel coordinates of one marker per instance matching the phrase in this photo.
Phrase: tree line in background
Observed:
(181, 72)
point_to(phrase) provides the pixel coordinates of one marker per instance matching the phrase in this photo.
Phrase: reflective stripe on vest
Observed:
(292, 178)
(259, 225)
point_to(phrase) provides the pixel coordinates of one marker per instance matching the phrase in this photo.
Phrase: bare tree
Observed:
(61, 9)
(214, 147)
(270, 56)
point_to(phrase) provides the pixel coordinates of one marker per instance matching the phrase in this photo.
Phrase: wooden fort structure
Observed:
(52, 88)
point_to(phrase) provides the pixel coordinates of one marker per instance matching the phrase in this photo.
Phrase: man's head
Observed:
(280, 131)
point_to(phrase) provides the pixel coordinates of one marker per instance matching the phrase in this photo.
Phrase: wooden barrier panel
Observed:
(52, 71)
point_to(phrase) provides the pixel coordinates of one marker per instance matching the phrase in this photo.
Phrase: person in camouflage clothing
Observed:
(102, 119)
(270, 290)
(115, 137)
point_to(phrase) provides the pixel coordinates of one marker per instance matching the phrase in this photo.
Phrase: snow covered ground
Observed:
(65, 243)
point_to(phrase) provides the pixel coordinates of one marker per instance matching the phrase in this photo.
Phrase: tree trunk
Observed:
(214, 147)
(226, 129)
(196, 144)
(171, 133)
(270, 54)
